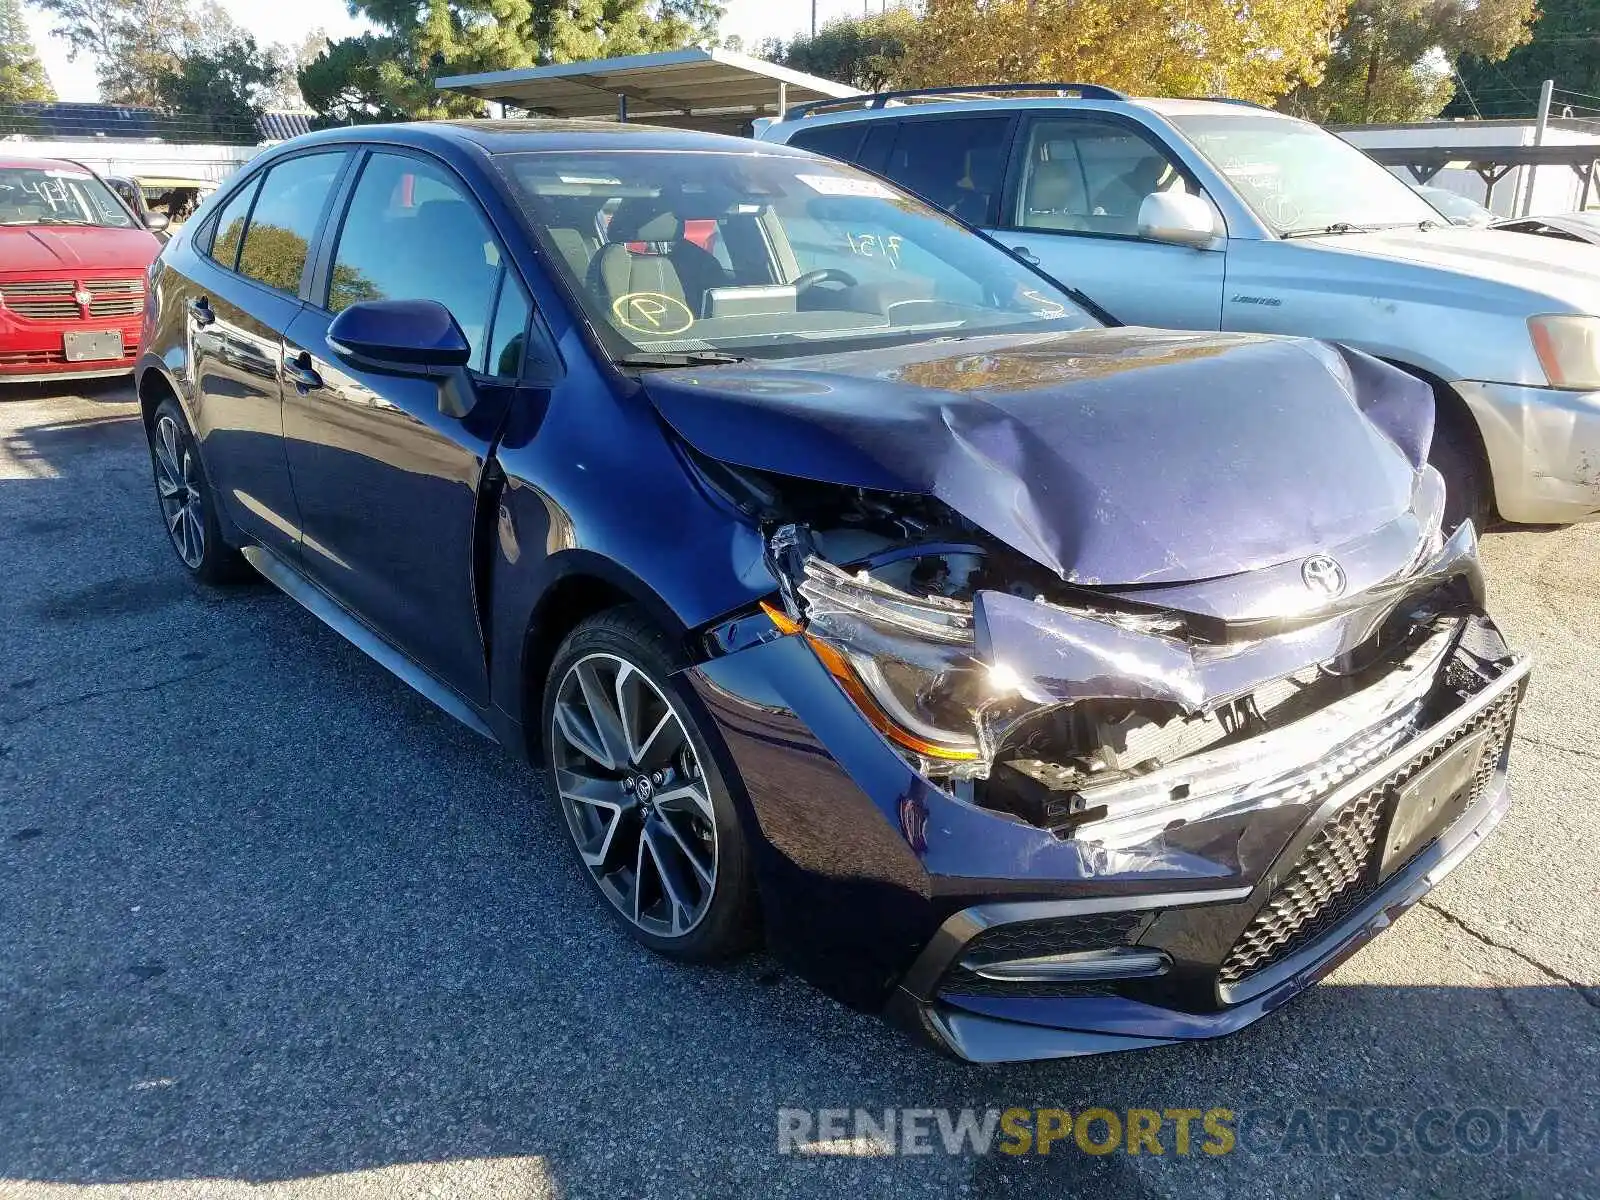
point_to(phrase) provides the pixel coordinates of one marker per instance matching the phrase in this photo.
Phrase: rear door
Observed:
(243, 291)
(957, 163)
(1076, 183)
(388, 486)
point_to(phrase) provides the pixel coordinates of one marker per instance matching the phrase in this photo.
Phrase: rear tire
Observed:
(187, 503)
(1457, 454)
(634, 777)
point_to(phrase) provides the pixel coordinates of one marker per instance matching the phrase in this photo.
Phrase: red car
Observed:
(72, 273)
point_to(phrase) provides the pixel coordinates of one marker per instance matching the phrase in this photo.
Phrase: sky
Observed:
(290, 20)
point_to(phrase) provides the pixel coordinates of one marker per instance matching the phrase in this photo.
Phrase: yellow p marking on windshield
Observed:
(652, 312)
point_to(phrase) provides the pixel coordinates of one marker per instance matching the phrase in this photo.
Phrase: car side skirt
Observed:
(338, 618)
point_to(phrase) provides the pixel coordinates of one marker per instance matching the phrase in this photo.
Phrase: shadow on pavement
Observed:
(266, 917)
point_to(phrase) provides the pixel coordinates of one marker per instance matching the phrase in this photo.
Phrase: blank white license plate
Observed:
(96, 346)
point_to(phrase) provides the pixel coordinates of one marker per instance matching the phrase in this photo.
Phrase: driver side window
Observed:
(413, 233)
(1090, 176)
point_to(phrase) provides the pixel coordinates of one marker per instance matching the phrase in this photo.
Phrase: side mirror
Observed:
(407, 337)
(1177, 218)
(155, 222)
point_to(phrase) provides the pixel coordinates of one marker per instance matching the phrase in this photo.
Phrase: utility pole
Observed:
(1545, 89)
(813, 18)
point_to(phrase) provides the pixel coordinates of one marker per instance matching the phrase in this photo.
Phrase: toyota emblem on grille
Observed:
(83, 296)
(1321, 574)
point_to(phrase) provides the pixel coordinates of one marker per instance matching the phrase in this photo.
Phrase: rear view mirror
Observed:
(1177, 218)
(407, 337)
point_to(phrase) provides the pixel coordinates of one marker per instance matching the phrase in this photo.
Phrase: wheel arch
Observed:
(1450, 406)
(580, 585)
(153, 387)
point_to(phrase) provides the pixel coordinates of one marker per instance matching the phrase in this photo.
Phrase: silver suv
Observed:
(1216, 214)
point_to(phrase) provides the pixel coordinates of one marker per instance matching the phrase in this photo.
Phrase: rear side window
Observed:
(836, 141)
(284, 220)
(958, 164)
(229, 229)
(412, 232)
(1081, 175)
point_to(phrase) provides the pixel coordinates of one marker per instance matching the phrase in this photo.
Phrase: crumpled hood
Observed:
(29, 248)
(1111, 456)
(1562, 270)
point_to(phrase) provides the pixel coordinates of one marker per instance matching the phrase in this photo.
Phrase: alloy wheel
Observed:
(178, 485)
(633, 795)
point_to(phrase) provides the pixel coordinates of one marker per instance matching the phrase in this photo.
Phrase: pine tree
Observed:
(1565, 47)
(22, 75)
(1390, 59)
(391, 73)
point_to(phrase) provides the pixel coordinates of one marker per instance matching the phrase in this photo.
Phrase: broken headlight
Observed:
(908, 662)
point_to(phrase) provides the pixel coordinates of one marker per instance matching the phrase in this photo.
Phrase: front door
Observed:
(234, 326)
(387, 484)
(1073, 207)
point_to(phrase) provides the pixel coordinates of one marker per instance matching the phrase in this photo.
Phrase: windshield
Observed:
(1461, 210)
(1299, 178)
(57, 196)
(684, 253)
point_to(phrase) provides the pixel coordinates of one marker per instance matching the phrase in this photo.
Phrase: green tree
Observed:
(358, 80)
(133, 42)
(1390, 60)
(864, 52)
(1254, 51)
(391, 73)
(1564, 46)
(22, 75)
(221, 85)
(290, 60)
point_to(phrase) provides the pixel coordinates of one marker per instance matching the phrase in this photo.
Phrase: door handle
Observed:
(200, 310)
(1026, 255)
(297, 368)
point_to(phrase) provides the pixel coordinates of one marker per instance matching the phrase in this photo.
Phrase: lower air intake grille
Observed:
(1037, 939)
(1057, 935)
(1337, 871)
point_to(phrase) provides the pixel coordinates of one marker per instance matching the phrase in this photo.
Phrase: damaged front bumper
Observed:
(1047, 979)
(1253, 809)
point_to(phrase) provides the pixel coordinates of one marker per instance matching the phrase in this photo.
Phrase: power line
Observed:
(1465, 90)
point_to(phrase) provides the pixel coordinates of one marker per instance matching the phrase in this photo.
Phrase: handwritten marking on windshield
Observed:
(652, 312)
(872, 245)
(1047, 307)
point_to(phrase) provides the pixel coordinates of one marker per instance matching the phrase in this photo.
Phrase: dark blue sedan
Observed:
(1051, 685)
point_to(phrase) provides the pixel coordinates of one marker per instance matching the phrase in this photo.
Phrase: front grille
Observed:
(54, 299)
(115, 297)
(31, 358)
(41, 300)
(1337, 872)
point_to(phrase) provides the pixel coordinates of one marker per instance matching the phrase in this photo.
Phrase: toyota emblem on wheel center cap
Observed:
(1321, 574)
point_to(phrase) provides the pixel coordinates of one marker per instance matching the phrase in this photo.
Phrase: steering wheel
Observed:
(826, 275)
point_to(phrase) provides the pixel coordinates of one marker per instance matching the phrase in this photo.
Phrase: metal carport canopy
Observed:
(692, 88)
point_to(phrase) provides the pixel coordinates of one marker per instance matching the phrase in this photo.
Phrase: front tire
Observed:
(186, 500)
(632, 774)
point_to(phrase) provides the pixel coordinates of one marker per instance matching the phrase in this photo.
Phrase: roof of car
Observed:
(42, 164)
(502, 137)
(1167, 106)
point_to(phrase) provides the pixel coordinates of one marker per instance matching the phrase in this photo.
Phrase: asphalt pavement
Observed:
(273, 926)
